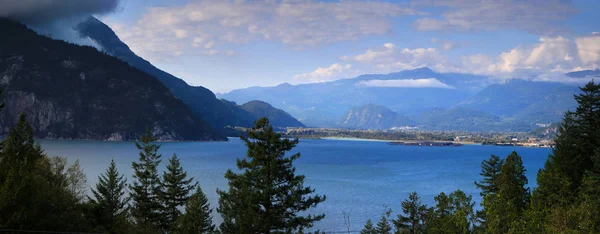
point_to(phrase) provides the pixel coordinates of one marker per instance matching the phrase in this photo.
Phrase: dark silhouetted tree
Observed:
(197, 217)
(267, 196)
(145, 190)
(176, 188)
(110, 200)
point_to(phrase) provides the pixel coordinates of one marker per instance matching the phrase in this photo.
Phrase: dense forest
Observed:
(265, 195)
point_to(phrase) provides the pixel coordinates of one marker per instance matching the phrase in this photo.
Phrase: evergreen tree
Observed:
(145, 190)
(490, 169)
(568, 185)
(452, 214)
(415, 215)
(197, 217)
(383, 226)
(266, 196)
(176, 191)
(506, 208)
(368, 228)
(34, 189)
(110, 201)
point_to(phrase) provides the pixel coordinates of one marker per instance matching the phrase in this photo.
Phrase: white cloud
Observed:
(546, 60)
(298, 23)
(390, 58)
(407, 83)
(323, 74)
(535, 16)
(589, 48)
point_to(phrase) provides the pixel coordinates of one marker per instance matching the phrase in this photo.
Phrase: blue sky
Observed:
(225, 45)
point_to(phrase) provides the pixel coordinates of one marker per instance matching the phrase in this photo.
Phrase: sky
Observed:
(230, 44)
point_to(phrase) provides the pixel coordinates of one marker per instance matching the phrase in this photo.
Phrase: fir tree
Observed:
(506, 208)
(490, 169)
(146, 207)
(383, 226)
(110, 201)
(569, 182)
(176, 191)
(197, 217)
(266, 196)
(368, 228)
(415, 213)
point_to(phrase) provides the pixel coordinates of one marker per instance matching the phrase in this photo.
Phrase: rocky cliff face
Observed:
(74, 92)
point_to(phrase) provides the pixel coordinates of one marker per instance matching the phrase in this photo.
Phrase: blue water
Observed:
(358, 177)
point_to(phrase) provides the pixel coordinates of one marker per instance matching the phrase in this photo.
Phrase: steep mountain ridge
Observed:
(200, 100)
(76, 92)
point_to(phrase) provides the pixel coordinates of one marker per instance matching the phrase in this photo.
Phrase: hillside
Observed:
(533, 102)
(463, 119)
(200, 100)
(75, 92)
(374, 117)
(277, 117)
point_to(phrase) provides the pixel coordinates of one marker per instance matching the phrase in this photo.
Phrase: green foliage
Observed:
(176, 188)
(35, 190)
(110, 201)
(197, 217)
(266, 196)
(368, 228)
(415, 215)
(505, 210)
(145, 190)
(451, 214)
(384, 226)
(566, 199)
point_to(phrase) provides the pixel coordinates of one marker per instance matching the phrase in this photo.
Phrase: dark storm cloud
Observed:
(44, 11)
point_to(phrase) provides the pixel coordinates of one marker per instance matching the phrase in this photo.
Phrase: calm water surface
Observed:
(359, 177)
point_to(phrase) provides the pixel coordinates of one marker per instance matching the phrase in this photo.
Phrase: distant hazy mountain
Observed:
(374, 117)
(277, 117)
(321, 104)
(75, 92)
(533, 102)
(199, 99)
(463, 119)
(514, 104)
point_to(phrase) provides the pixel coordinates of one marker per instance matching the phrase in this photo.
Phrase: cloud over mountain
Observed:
(45, 11)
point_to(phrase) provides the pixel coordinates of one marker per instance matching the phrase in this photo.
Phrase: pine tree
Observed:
(146, 209)
(569, 182)
(368, 228)
(176, 191)
(266, 196)
(197, 217)
(490, 169)
(508, 206)
(18, 183)
(383, 226)
(415, 215)
(110, 201)
(34, 189)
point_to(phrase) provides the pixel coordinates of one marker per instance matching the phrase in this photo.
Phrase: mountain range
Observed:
(70, 91)
(447, 101)
(201, 101)
(76, 92)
